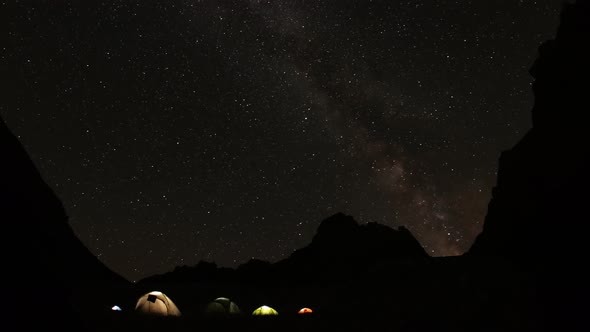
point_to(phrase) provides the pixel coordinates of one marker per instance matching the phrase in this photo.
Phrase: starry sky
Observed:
(185, 130)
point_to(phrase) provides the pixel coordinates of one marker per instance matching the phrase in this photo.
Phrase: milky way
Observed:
(183, 131)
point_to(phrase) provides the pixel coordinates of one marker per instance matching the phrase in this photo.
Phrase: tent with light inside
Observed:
(156, 303)
(304, 311)
(222, 306)
(264, 311)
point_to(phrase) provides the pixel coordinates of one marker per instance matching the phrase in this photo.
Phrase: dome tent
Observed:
(156, 303)
(222, 306)
(304, 311)
(265, 311)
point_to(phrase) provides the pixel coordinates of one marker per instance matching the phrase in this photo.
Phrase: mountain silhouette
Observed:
(342, 249)
(538, 218)
(339, 251)
(47, 265)
(537, 207)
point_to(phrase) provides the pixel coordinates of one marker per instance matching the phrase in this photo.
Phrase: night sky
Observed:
(190, 130)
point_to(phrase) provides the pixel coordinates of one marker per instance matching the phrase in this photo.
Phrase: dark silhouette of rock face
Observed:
(343, 249)
(342, 235)
(538, 206)
(537, 218)
(340, 250)
(46, 265)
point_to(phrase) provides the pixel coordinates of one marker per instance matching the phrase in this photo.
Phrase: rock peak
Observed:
(338, 223)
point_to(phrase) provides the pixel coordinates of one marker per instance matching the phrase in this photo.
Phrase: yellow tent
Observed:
(156, 303)
(264, 311)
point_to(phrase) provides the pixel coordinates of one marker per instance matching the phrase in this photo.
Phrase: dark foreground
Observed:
(131, 322)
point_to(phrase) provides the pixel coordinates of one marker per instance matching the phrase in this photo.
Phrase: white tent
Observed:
(156, 303)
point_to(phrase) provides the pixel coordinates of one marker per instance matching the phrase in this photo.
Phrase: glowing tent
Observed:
(116, 308)
(304, 311)
(222, 306)
(265, 311)
(156, 303)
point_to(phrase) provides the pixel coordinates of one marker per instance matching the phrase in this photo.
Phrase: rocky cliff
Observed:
(538, 209)
(537, 218)
(47, 270)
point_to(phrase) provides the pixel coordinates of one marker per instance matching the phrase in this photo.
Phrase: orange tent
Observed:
(305, 311)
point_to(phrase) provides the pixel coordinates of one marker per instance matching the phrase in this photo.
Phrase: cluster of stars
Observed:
(182, 131)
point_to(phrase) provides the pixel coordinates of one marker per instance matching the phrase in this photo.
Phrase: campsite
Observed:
(524, 269)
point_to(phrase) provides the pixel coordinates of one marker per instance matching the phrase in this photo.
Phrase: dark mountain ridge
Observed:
(340, 250)
(537, 219)
(45, 259)
(542, 181)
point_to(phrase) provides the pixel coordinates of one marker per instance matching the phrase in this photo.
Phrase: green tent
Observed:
(264, 311)
(222, 306)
